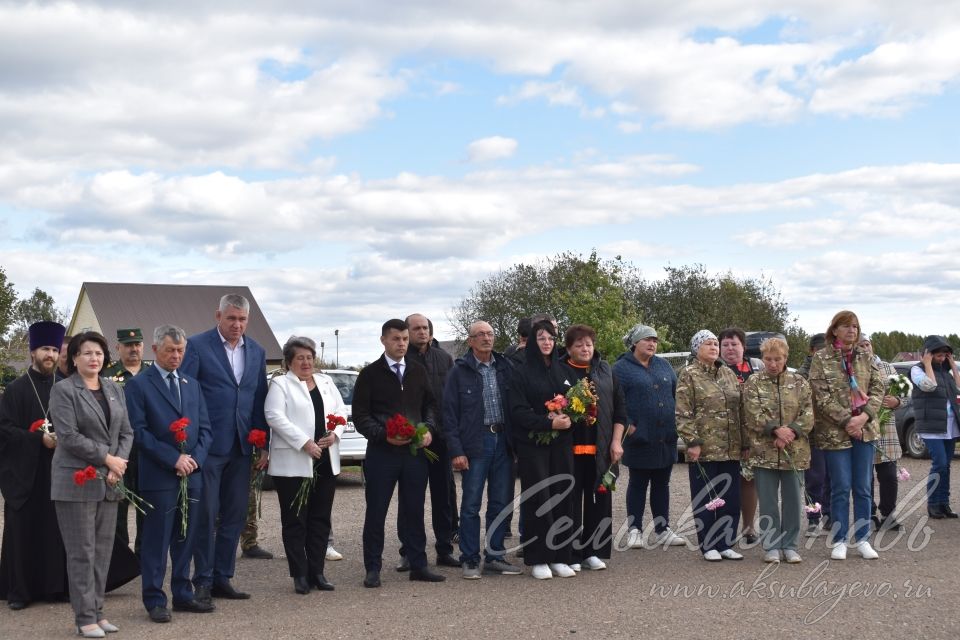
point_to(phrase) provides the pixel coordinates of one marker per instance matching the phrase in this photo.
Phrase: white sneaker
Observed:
(772, 556)
(669, 539)
(562, 570)
(866, 551)
(575, 566)
(333, 554)
(838, 551)
(791, 556)
(541, 572)
(712, 556)
(595, 564)
(730, 554)
(635, 539)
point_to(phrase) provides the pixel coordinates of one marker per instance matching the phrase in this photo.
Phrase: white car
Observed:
(353, 446)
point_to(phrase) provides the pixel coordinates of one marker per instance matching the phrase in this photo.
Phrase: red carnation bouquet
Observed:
(258, 438)
(81, 477)
(44, 426)
(179, 429)
(399, 428)
(306, 485)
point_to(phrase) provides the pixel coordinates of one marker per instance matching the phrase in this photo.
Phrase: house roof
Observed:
(116, 305)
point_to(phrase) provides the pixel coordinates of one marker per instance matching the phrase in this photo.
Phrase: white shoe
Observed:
(866, 551)
(669, 539)
(791, 556)
(562, 570)
(730, 554)
(712, 556)
(838, 551)
(635, 539)
(595, 564)
(575, 566)
(772, 556)
(541, 572)
(333, 554)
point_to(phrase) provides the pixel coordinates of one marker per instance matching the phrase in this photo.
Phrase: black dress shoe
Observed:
(159, 614)
(447, 560)
(301, 586)
(202, 594)
(935, 512)
(16, 605)
(321, 583)
(257, 553)
(194, 606)
(404, 564)
(372, 580)
(890, 523)
(424, 574)
(948, 512)
(225, 590)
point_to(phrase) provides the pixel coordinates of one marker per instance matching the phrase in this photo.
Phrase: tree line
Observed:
(611, 295)
(16, 316)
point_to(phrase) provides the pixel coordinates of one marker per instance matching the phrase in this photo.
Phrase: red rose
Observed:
(333, 421)
(37, 424)
(180, 436)
(601, 489)
(395, 426)
(79, 477)
(90, 473)
(258, 438)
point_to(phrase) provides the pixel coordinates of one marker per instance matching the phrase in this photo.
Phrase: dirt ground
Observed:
(910, 592)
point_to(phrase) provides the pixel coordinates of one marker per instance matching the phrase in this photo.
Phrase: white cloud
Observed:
(492, 148)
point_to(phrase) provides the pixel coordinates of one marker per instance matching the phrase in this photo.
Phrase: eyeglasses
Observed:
(482, 334)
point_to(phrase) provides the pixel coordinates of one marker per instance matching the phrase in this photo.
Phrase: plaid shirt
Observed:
(492, 403)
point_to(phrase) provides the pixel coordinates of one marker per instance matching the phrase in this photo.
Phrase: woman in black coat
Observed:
(544, 445)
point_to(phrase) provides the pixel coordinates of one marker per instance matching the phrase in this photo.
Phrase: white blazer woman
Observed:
(290, 414)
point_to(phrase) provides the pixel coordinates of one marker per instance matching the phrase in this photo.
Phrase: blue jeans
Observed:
(495, 469)
(938, 482)
(851, 470)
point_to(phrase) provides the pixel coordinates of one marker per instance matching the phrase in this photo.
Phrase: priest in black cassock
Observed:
(33, 564)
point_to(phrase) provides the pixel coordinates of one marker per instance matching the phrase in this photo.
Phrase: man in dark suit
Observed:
(384, 388)
(232, 370)
(155, 399)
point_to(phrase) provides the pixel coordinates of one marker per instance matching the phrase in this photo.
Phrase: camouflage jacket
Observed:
(708, 411)
(831, 397)
(769, 403)
(119, 374)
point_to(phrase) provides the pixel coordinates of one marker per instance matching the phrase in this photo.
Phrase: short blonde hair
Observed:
(775, 346)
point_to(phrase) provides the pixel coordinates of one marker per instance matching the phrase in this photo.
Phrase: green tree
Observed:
(8, 300)
(574, 289)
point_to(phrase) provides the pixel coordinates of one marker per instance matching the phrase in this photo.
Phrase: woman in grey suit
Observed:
(90, 415)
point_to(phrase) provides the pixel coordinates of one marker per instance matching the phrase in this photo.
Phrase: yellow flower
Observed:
(577, 405)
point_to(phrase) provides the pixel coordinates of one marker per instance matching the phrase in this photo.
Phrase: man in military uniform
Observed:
(129, 364)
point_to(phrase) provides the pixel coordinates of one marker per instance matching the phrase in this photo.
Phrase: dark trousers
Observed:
(131, 480)
(592, 512)
(385, 469)
(161, 535)
(886, 479)
(440, 480)
(716, 529)
(817, 483)
(659, 483)
(305, 535)
(546, 478)
(222, 514)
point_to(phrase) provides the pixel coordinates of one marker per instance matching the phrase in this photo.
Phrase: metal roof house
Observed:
(107, 306)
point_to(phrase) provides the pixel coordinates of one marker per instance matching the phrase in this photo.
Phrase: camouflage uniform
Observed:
(708, 411)
(831, 397)
(769, 403)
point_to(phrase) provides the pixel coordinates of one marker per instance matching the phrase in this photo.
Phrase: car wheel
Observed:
(913, 443)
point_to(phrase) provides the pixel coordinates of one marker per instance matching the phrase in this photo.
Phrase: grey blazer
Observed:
(84, 438)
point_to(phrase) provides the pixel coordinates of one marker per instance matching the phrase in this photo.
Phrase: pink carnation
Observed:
(715, 504)
(903, 474)
(812, 508)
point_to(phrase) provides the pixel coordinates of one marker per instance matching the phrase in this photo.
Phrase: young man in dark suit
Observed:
(155, 399)
(384, 388)
(232, 371)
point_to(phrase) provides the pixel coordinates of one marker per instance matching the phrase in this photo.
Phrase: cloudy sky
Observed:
(353, 161)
